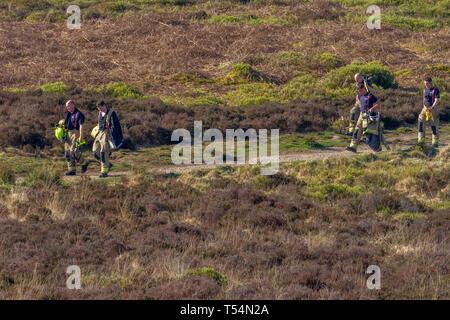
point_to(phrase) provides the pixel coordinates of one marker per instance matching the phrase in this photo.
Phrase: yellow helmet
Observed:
(95, 131)
(60, 134)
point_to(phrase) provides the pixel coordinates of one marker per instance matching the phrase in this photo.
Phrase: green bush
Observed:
(246, 72)
(328, 60)
(194, 97)
(341, 81)
(119, 6)
(209, 272)
(291, 57)
(54, 87)
(120, 90)
(252, 94)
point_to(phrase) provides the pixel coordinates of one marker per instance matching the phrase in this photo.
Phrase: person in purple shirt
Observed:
(354, 111)
(429, 112)
(73, 123)
(368, 103)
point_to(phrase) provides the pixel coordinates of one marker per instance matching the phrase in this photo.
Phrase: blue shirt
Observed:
(102, 124)
(367, 101)
(75, 119)
(429, 97)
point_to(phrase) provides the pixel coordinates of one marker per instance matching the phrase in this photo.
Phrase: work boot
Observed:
(84, 167)
(103, 175)
(71, 173)
(435, 145)
(351, 149)
(110, 166)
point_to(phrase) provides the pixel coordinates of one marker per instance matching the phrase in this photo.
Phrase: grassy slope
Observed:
(265, 235)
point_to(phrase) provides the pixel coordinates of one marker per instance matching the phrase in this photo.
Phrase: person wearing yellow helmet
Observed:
(73, 126)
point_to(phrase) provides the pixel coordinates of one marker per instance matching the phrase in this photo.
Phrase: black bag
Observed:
(115, 131)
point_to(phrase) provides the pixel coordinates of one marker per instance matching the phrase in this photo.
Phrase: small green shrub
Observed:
(120, 90)
(209, 272)
(184, 77)
(252, 94)
(54, 87)
(328, 60)
(119, 6)
(291, 58)
(300, 87)
(241, 73)
(341, 81)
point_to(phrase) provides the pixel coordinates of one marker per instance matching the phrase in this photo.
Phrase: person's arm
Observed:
(436, 99)
(81, 133)
(375, 106)
(371, 90)
(436, 102)
(369, 87)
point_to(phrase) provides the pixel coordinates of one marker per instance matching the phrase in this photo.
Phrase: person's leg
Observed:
(421, 124)
(354, 113)
(357, 133)
(69, 153)
(104, 153)
(435, 127)
(76, 154)
(96, 148)
(96, 154)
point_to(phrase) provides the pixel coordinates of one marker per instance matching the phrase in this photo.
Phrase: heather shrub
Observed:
(340, 81)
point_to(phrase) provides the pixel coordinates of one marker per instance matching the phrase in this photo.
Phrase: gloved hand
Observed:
(80, 143)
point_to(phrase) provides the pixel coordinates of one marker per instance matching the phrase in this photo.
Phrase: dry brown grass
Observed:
(149, 49)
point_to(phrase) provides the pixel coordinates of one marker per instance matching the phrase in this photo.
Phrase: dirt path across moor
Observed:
(407, 140)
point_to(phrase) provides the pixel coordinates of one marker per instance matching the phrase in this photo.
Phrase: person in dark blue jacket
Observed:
(354, 112)
(429, 112)
(109, 137)
(368, 104)
(73, 123)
